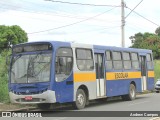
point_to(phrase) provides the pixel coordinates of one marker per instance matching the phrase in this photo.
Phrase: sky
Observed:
(101, 25)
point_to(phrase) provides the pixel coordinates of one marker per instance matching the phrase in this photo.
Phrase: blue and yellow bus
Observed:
(61, 72)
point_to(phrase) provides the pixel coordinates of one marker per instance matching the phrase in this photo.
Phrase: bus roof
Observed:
(100, 47)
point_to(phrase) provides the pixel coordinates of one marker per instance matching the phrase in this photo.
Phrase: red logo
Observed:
(28, 98)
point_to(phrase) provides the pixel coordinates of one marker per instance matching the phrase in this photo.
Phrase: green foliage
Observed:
(158, 31)
(4, 97)
(3, 77)
(11, 35)
(147, 41)
(157, 69)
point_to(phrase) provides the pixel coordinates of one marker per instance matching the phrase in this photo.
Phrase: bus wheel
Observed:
(44, 106)
(80, 99)
(132, 92)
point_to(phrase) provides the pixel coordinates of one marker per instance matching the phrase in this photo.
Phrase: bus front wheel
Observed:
(80, 99)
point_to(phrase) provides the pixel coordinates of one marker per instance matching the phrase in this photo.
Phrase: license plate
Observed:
(28, 98)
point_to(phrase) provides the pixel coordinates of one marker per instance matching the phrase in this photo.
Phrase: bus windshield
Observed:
(31, 68)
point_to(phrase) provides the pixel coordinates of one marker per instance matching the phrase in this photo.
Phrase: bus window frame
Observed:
(64, 56)
(151, 58)
(127, 60)
(138, 56)
(117, 60)
(111, 56)
(93, 59)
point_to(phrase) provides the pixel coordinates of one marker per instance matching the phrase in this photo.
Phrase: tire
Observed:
(157, 91)
(44, 106)
(132, 94)
(81, 100)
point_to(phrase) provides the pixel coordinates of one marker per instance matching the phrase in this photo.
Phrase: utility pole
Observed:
(122, 23)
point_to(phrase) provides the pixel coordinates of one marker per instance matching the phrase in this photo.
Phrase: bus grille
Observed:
(33, 100)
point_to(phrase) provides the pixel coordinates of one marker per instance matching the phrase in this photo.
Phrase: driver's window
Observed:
(64, 63)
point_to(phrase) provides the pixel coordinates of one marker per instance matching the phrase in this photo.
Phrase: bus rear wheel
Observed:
(132, 93)
(80, 99)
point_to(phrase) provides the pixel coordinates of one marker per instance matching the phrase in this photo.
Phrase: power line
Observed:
(83, 4)
(56, 14)
(88, 31)
(144, 17)
(71, 23)
(134, 8)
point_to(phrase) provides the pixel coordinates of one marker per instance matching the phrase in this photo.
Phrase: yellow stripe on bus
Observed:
(150, 73)
(84, 77)
(122, 75)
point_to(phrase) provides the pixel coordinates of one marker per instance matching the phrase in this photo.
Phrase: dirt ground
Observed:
(11, 107)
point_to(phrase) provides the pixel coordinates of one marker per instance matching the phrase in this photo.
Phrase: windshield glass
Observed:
(31, 68)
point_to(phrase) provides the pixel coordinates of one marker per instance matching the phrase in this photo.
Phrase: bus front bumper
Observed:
(45, 97)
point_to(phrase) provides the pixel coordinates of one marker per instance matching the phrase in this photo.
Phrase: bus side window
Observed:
(149, 61)
(126, 60)
(135, 61)
(64, 63)
(109, 64)
(84, 59)
(117, 60)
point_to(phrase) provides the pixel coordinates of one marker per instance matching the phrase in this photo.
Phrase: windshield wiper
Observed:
(30, 67)
(16, 58)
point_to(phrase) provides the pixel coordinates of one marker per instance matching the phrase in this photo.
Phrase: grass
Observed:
(157, 69)
(4, 97)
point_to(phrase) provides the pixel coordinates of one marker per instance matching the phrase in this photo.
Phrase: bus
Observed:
(48, 72)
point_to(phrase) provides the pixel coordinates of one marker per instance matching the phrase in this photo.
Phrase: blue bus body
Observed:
(52, 72)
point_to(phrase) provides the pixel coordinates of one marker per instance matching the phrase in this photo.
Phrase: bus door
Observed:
(143, 72)
(64, 75)
(99, 63)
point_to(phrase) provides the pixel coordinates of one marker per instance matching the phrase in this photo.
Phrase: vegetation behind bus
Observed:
(4, 77)
(9, 36)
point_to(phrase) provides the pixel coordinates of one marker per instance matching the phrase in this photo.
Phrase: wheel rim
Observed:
(80, 99)
(132, 92)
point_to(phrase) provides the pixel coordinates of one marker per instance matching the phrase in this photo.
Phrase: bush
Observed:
(4, 97)
(157, 69)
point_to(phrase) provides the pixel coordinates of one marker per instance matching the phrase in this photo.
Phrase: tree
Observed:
(11, 35)
(158, 31)
(147, 41)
